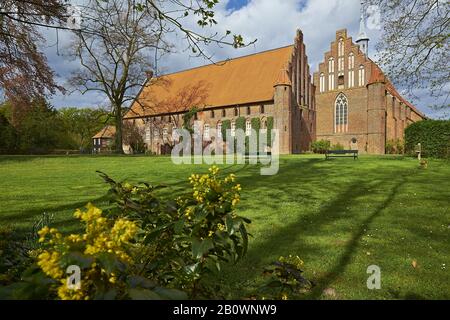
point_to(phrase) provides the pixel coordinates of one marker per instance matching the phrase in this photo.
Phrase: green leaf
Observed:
(244, 234)
(77, 258)
(171, 294)
(141, 282)
(178, 226)
(143, 294)
(201, 247)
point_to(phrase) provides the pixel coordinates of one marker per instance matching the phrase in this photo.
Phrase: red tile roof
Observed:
(242, 80)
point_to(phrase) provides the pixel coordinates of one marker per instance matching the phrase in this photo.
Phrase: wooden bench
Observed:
(341, 154)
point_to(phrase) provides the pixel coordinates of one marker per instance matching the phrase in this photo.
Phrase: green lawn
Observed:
(339, 216)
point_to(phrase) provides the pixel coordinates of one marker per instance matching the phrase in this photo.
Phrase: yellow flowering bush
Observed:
(102, 252)
(189, 236)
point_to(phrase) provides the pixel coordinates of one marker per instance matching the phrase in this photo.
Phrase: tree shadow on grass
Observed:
(345, 259)
(34, 213)
(332, 212)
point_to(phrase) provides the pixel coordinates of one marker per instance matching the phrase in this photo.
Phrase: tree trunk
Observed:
(118, 122)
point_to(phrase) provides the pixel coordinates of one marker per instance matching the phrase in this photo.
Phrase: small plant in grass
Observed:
(423, 164)
(285, 279)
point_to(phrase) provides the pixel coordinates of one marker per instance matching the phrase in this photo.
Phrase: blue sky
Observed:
(236, 4)
(272, 22)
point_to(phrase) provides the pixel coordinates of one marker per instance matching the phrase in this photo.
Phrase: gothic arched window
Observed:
(341, 113)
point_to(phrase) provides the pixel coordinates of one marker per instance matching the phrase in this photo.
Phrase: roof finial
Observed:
(363, 39)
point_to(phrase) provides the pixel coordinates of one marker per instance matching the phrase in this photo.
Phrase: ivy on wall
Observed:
(256, 124)
(226, 125)
(269, 130)
(240, 123)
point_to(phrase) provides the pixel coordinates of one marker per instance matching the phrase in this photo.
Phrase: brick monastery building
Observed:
(348, 100)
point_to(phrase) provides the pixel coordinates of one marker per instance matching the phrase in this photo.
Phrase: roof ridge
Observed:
(225, 61)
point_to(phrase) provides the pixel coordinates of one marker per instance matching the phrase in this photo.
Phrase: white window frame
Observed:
(322, 82)
(351, 78)
(248, 127)
(206, 135)
(351, 61)
(331, 65)
(219, 130)
(362, 76)
(341, 47)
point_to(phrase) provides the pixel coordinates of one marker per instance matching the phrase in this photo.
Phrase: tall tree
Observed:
(24, 72)
(414, 45)
(116, 55)
(121, 39)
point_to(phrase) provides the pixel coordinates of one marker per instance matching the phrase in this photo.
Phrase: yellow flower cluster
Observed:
(296, 261)
(48, 261)
(101, 236)
(202, 185)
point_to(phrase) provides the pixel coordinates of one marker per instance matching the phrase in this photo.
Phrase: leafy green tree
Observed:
(82, 124)
(41, 129)
(8, 136)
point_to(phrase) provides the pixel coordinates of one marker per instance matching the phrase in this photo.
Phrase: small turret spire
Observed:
(363, 39)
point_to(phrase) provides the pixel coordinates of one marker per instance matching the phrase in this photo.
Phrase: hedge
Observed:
(433, 135)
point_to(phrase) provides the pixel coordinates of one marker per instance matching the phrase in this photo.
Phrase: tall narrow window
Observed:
(322, 82)
(175, 134)
(236, 112)
(341, 47)
(233, 128)
(331, 65)
(362, 76)
(212, 114)
(206, 132)
(351, 61)
(351, 78)
(219, 130)
(248, 111)
(147, 134)
(351, 71)
(261, 109)
(341, 114)
(224, 113)
(331, 79)
(341, 64)
(248, 127)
